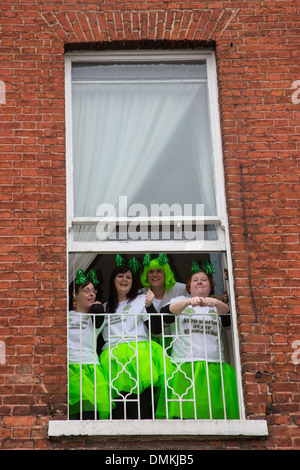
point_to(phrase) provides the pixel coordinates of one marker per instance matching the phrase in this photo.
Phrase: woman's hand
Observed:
(149, 297)
(221, 307)
(179, 306)
(195, 301)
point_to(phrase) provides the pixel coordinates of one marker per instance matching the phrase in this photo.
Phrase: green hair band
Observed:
(82, 278)
(206, 267)
(133, 263)
(161, 262)
(147, 259)
(163, 259)
(119, 260)
(195, 268)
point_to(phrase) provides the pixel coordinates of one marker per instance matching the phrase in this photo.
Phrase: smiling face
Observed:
(85, 297)
(156, 277)
(200, 285)
(123, 284)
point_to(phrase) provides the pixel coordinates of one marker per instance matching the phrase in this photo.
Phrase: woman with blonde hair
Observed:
(158, 278)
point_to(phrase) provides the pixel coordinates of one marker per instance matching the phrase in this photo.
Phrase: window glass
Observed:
(141, 133)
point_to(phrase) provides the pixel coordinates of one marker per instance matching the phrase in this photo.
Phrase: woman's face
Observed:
(123, 283)
(200, 285)
(156, 277)
(85, 298)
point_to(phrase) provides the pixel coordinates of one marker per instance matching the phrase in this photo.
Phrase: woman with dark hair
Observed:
(88, 388)
(121, 273)
(133, 365)
(203, 386)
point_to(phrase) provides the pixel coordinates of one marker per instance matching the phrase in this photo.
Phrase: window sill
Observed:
(221, 428)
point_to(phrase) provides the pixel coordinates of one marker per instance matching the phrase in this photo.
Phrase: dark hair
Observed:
(211, 282)
(113, 301)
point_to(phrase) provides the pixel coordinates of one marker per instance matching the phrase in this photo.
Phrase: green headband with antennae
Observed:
(133, 263)
(162, 259)
(206, 267)
(82, 278)
(161, 262)
(147, 259)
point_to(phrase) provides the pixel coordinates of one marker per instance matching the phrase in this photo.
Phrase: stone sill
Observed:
(174, 428)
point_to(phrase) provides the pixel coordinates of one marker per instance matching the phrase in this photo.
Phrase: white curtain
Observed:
(148, 140)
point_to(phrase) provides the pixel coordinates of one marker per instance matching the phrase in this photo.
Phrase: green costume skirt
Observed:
(200, 401)
(167, 343)
(132, 367)
(82, 393)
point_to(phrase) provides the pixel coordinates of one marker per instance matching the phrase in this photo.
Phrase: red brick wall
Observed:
(257, 47)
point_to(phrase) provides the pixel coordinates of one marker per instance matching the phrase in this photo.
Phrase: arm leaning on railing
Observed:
(177, 307)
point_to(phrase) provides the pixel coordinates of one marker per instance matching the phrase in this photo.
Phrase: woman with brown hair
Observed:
(88, 388)
(203, 386)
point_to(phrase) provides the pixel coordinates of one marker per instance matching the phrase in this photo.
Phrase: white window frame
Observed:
(222, 245)
(147, 245)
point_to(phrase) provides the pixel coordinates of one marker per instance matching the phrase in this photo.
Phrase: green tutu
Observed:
(82, 390)
(184, 403)
(135, 366)
(167, 342)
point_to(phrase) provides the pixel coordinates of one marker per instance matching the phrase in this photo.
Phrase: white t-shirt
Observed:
(203, 332)
(82, 339)
(175, 291)
(127, 323)
(178, 289)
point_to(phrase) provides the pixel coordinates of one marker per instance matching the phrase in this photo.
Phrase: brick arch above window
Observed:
(154, 25)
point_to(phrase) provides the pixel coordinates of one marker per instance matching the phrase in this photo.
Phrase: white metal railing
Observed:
(167, 400)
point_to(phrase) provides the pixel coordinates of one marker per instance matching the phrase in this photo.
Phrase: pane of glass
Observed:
(138, 71)
(140, 232)
(141, 138)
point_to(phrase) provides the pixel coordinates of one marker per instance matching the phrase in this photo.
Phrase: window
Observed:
(145, 175)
